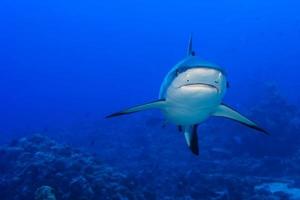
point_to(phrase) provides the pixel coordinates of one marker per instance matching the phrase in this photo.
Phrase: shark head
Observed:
(204, 79)
(197, 77)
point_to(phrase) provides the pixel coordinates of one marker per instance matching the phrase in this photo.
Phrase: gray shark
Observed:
(191, 92)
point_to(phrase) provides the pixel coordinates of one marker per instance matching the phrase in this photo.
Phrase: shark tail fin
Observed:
(154, 104)
(227, 112)
(191, 137)
(191, 52)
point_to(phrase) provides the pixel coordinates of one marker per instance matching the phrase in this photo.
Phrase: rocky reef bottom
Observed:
(37, 167)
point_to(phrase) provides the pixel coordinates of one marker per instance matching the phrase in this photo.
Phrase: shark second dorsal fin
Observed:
(191, 52)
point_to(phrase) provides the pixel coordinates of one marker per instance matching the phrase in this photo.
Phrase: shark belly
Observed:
(184, 115)
(189, 108)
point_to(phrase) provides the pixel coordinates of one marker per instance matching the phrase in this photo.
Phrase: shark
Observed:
(191, 92)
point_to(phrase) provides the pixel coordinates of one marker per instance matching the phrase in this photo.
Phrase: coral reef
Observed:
(27, 165)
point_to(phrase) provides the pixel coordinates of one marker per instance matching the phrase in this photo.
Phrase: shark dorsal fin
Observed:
(191, 52)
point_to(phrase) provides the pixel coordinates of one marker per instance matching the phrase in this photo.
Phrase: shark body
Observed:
(191, 92)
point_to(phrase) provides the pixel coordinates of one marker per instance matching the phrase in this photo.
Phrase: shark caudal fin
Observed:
(191, 52)
(191, 137)
(227, 112)
(155, 104)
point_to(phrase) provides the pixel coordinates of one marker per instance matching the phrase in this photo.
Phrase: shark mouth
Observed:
(200, 84)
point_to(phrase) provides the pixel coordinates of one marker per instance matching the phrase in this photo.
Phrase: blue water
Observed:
(65, 65)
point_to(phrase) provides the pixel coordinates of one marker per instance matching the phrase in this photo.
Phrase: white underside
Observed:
(190, 105)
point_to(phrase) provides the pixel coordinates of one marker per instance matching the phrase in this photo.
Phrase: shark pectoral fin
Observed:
(191, 137)
(155, 104)
(225, 111)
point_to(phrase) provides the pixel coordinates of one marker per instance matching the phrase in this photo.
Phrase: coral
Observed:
(30, 164)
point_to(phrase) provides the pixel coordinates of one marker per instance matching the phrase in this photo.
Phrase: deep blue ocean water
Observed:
(65, 65)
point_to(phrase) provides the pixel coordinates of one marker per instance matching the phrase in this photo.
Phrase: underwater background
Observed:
(65, 65)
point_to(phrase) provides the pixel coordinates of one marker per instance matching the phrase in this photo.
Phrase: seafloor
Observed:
(135, 158)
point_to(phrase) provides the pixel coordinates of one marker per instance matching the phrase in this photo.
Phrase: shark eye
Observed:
(188, 80)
